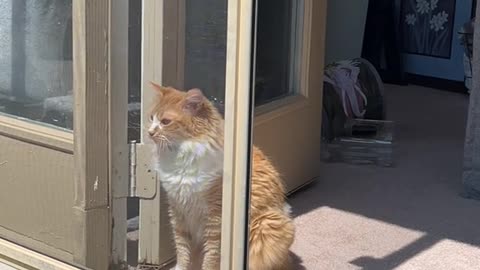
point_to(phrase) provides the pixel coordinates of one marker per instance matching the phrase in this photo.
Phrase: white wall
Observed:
(345, 28)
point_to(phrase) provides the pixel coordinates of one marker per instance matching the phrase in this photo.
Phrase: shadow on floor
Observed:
(297, 262)
(395, 259)
(422, 192)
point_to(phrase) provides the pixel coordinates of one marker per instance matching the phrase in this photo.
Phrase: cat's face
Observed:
(177, 116)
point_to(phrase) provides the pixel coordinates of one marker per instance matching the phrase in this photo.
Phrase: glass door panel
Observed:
(54, 202)
(205, 47)
(36, 61)
(184, 46)
(210, 47)
(278, 48)
(288, 86)
(38, 210)
(36, 171)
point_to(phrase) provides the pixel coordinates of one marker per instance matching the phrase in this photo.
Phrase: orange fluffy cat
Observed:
(188, 156)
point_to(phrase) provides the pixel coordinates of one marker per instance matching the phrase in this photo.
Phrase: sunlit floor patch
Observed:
(446, 254)
(339, 238)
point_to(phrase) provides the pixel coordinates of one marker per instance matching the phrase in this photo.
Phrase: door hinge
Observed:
(132, 180)
(142, 180)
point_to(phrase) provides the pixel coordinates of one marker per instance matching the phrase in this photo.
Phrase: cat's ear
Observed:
(159, 90)
(193, 101)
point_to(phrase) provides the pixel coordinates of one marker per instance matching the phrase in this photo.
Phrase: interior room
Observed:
(394, 208)
(412, 210)
(363, 113)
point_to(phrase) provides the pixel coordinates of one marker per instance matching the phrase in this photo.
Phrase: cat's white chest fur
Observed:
(186, 172)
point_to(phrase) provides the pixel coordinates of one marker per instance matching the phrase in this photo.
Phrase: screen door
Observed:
(54, 134)
(228, 49)
(189, 44)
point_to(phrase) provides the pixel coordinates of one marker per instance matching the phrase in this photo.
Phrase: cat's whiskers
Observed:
(168, 143)
(165, 143)
(162, 143)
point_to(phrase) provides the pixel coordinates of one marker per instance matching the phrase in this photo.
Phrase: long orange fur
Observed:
(191, 117)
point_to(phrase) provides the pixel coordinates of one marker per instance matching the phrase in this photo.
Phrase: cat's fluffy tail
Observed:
(271, 235)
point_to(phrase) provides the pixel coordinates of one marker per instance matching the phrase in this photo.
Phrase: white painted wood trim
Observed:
(118, 130)
(36, 133)
(155, 240)
(237, 135)
(306, 47)
(91, 82)
(15, 253)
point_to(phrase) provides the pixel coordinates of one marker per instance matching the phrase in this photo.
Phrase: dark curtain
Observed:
(474, 5)
(471, 174)
(381, 41)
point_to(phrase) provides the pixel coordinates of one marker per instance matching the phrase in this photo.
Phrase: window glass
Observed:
(36, 60)
(277, 49)
(197, 59)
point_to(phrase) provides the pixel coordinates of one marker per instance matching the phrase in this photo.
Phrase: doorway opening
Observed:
(405, 208)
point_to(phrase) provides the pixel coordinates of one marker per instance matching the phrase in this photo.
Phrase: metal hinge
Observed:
(142, 180)
(132, 180)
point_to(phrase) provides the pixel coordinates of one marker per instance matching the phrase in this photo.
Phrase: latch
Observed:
(142, 181)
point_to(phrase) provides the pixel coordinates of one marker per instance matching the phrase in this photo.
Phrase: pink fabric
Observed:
(344, 79)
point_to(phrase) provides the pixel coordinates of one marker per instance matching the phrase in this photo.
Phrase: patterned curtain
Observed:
(471, 174)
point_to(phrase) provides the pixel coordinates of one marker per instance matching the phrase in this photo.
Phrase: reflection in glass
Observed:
(199, 32)
(202, 60)
(277, 49)
(134, 115)
(134, 69)
(36, 60)
(206, 47)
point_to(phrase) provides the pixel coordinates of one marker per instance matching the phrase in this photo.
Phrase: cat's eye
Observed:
(150, 118)
(165, 121)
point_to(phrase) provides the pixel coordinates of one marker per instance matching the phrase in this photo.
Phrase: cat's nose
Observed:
(151, 132)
